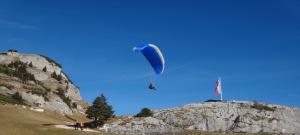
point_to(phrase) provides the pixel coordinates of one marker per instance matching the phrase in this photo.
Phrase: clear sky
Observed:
(254, 45)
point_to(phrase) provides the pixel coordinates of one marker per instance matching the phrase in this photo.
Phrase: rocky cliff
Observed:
(230, 116)
(40, 81)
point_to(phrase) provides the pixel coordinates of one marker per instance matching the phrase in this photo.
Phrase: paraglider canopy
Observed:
(153, 55)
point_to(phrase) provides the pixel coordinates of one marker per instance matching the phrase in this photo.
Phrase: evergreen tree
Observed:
(30, 64)
(17, 96)
(59, 77)
(100, 111)
(54, 75)
(45, 69)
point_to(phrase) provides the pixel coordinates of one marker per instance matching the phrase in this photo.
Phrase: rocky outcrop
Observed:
(132, 125)
(46, 91)
(231, 116)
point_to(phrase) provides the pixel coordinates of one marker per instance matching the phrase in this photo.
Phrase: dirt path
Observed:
(72, 128)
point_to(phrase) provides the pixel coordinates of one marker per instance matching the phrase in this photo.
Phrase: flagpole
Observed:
(221, 89)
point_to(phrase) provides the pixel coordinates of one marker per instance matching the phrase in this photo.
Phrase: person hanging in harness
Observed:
(154, 57)
(152, 86)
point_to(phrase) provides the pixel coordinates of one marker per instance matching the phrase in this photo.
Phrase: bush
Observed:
(8, 86)
(40, 92)
(17, 69)
(57, 77)
(67, 77)
(145, 112)
(8, 99)
(261, 107)
(17, 96)
(51, 60)
(54, 75)
(30, 64)
(74, 105)
(45, 69)
(61, 93)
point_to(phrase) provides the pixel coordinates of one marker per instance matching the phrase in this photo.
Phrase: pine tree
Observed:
(30, 64)
(45, 69)
(54, 75)
(100, 111)
(59, 77)
(17, 96)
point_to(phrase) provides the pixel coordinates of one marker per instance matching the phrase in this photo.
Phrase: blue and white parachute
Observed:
(153, 55)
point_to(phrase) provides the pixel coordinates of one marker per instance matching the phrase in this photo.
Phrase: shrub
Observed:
(5, 69)
(54, 75)
(18, 97)
(51, 60)
(17, 69)
(145, 112)
(8, 86)
(45, 69)
(30, 64)
(8, 99)
(46, 99)
(67, 77)
(61, 93)
(261, 107)
(74, 105)
(57, 77)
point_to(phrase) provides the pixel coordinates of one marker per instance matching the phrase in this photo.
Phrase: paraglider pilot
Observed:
(155, 58)
(152, 86)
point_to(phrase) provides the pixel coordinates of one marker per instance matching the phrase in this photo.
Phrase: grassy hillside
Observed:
(18, 121)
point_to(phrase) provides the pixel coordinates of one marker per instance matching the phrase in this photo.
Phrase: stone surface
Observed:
(214, 116)
(44, 83)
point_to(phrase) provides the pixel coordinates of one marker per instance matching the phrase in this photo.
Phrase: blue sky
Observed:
(253, 45)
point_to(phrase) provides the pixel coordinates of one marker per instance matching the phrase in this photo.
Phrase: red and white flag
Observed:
(218, 89)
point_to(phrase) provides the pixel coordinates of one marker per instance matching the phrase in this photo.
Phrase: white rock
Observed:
(214, 116)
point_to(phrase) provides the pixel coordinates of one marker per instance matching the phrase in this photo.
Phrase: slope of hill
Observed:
(40, 81)
(16, 120)
(245, 117)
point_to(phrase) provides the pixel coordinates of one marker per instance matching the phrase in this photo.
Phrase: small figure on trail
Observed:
(76, 125)
(81, 125)
(235, 123)
(237, 119)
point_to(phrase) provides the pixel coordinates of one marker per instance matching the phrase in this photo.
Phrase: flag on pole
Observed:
(218, 89)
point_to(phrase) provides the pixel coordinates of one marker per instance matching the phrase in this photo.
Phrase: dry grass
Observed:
(18, 121)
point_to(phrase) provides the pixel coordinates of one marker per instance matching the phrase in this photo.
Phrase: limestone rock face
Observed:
(44, 92)
(230, 116)
(140, 126)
